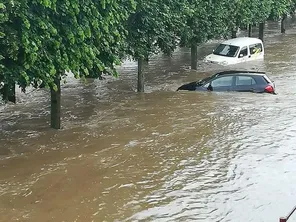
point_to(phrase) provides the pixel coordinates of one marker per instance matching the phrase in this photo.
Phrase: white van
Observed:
(237, 50)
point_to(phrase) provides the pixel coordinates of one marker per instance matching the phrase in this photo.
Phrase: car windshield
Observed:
(203, 81)
(226, 50)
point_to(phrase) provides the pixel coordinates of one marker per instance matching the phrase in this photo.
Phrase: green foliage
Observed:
(204, 20)
(245, 12)
(41, 39)
(44, 38)
(281, 8)
(263, 11)
(153, 27)
(3, 18)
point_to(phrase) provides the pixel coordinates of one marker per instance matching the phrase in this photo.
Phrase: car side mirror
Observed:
(241, 55)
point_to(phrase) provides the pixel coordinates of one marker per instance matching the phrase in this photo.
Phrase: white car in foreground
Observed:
(237, 50)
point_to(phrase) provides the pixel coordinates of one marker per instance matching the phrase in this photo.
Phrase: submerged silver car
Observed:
(240, 81)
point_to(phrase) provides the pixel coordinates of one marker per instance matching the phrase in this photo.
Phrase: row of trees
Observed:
(41, 41)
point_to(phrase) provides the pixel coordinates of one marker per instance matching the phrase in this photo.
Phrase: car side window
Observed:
(223, 81)
(243, 52)
(245, 81)
(256, 48)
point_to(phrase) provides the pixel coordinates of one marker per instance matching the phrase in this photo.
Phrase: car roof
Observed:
(239, 72)
(242, 41)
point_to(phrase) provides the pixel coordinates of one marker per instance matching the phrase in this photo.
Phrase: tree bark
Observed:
(194, 56)
(56, 105)
(4, 92)
(11, 95)
(293, 15)
(233, 33)
(140, 75)
(249, 30)
(283, 30)
(261, 31)
(8, 93)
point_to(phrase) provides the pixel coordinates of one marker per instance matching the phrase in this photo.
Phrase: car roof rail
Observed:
(239, 71)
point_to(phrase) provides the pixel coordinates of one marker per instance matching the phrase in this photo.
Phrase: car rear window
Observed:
(267, 79)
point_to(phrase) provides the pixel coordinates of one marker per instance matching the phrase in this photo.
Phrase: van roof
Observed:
(242, 41)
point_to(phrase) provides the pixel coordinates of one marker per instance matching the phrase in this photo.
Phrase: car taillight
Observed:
(269, 89)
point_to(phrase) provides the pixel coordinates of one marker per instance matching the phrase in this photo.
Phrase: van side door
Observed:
(243, 54)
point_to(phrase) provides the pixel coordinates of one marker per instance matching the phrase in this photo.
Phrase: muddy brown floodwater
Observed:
(158, 156)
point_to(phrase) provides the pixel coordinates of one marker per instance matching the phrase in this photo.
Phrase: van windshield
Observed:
(226, 50)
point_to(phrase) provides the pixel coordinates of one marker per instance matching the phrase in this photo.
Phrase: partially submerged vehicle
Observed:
(234, 80)
(237, 50)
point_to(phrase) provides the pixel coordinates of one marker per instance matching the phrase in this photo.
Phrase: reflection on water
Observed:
(159, 156)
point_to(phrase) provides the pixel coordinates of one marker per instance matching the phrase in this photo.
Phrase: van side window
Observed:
(256, 48)
(243, 52)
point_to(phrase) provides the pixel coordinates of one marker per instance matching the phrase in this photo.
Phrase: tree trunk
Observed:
(194, 56)
(292, 15)
(261, 31)
(250, 30)
(283, 30)
(140, 75)
(5, 91)
(56, 105)
(233, 33)
(9, 93)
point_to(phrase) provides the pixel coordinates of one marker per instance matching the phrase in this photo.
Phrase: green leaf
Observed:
(27, 23)
(55, 87)
(103, 3)
(52, 71)
(44, 38)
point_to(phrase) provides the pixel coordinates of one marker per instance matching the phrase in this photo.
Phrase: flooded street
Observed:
(159, 156)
